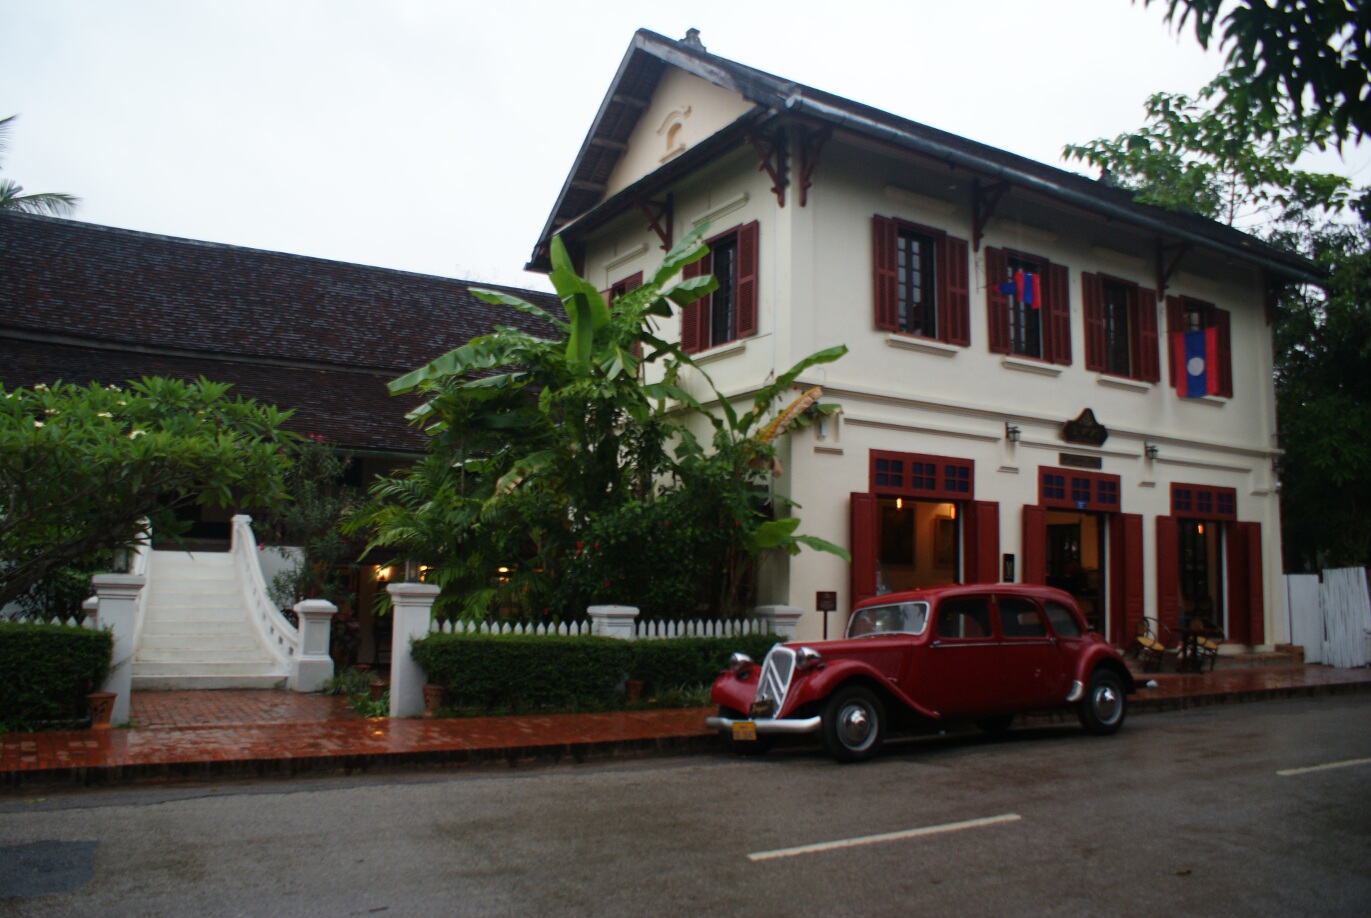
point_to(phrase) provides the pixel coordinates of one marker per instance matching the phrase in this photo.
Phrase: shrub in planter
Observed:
(46, 671)
(689, 661)
(524, 672)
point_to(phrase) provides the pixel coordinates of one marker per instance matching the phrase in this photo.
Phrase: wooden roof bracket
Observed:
(660, 219)
(984, 200)
(1165, 270)
(771, 150)
(811, 145)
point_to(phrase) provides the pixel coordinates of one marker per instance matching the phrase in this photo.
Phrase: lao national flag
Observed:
(1197, 363)
(1025, 287)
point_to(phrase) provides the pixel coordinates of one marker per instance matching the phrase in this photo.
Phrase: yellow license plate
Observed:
(744, 731)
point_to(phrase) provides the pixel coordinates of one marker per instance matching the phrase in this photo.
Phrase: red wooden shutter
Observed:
(884, 272)
(1175, 323)
(1058, 318)
(1147, 364)
(695, 316)
(954, 291)
(1246, 598)
(1168, 572)
(862, 545)
(982, 561)
(997, 303)
(1225, 368)
(747, 280)
(1034, 567)
(1131, 526)
(1092, 307)
(1256, 594)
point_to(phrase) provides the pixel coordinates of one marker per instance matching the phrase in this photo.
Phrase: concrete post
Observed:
(613, 621)
(312, 665)
(118, 594)
(412, 606)
(91, 607)
(781, 620)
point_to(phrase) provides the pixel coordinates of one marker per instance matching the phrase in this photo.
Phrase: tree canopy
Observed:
(86, 469)
(1312, 53)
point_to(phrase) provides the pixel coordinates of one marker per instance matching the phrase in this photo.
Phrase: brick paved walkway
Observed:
(197, 735)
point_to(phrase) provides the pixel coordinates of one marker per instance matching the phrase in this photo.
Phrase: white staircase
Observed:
(198, 630)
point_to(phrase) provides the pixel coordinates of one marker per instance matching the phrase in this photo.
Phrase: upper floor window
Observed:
(1120, 328)
(730, 312)
(1202, 365)
(921, 281)
(1028, 306)
(618, 289)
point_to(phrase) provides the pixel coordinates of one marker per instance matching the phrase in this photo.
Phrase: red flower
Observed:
(606, 582)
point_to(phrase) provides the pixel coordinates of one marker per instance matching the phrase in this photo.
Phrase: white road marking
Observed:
(1285, 773)
(887, 837)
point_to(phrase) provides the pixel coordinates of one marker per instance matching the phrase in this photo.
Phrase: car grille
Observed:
(777, 669)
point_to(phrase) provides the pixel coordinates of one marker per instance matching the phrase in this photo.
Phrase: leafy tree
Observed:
(1235, 167)
(84, 470)
(12, 195)
(556, 478)
(1295, 50)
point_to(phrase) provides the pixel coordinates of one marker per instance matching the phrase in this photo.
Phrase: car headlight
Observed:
(739, 663)
(807, 658)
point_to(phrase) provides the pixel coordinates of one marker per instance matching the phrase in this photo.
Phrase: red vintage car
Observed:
(918, 659)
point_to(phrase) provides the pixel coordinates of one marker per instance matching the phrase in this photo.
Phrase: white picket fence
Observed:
(642, 631)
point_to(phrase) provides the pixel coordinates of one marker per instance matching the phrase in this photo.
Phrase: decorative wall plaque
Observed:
(1085, 429)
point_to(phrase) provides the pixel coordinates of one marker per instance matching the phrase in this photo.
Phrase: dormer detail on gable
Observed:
(682, 111)
(670, 132)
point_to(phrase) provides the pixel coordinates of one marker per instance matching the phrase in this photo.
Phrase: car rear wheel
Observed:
(1104, 706)
(744, 747)
(853, 724)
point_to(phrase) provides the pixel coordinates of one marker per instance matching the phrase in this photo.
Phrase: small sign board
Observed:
(826, 601)
(1071, 460)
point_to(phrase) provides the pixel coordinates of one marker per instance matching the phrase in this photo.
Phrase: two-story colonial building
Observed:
(1046, 381)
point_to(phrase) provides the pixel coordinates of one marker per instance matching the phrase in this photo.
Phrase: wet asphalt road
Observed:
(1183, 813)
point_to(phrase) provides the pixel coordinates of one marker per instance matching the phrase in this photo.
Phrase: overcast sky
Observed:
(434, 135)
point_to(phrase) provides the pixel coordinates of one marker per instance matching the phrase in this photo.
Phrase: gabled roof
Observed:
(582, 199)
(83, 303)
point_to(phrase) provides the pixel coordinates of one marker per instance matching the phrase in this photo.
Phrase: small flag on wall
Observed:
(1025, 287)
(1196, 362)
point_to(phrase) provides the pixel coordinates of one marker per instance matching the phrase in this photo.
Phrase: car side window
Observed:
(964, 618)
(1019, 618)
(1063, 622)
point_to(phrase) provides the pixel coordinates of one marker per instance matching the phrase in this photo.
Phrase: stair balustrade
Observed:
(282, 638)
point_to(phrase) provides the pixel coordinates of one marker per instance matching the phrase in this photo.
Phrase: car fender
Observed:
(729, 691)
(1104, 655)
(825, 679)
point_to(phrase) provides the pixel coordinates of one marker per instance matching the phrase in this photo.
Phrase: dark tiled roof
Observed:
(649, 53)
(91, 303)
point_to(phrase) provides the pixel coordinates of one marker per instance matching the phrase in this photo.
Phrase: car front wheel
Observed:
(1103, 708)
(853, 724)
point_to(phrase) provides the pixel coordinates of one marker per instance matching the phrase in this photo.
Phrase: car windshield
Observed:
(896, 618)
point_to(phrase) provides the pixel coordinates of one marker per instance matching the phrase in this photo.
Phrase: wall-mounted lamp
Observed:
(1012, 433)
(899, 503)
(1150, 450)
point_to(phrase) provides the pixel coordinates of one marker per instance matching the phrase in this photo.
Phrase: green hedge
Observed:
(46, 671)
(675, 662)
(523, 672)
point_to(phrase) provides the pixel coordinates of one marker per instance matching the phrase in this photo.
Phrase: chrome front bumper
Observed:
(785, 725)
